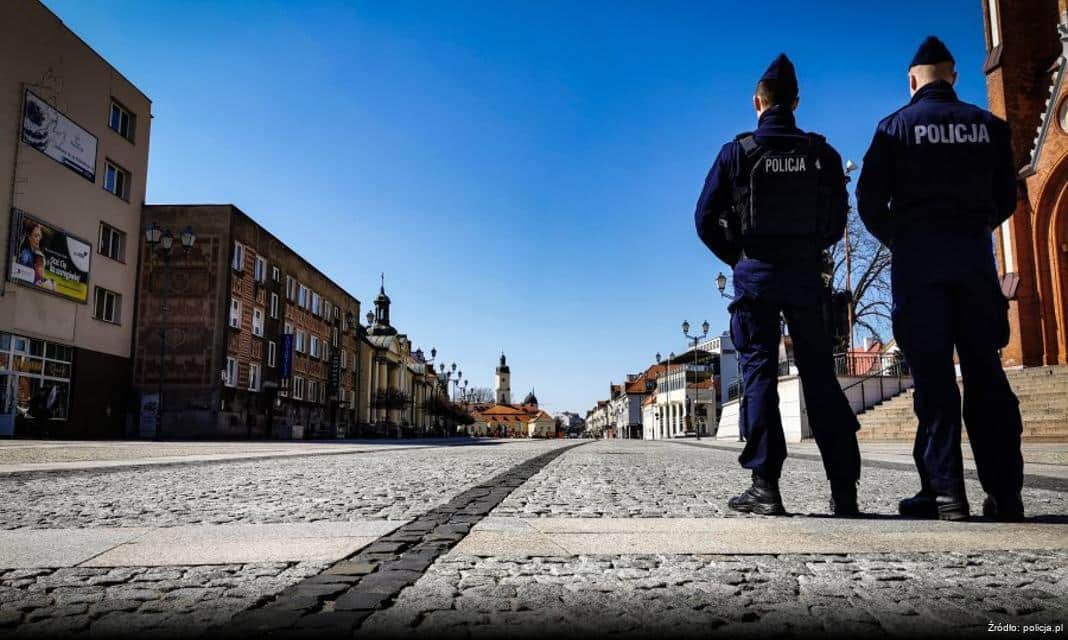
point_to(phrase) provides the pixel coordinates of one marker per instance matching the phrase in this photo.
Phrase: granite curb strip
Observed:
(335, 602)
(1031, 481)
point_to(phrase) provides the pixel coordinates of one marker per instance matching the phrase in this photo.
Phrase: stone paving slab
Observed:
(31, 548)
(193, 545)
(750, 535)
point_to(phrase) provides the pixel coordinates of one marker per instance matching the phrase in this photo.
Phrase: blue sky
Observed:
(524, 173)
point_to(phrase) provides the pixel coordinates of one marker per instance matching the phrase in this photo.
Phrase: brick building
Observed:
(74, 138)
(1027, 84)
(259, 341)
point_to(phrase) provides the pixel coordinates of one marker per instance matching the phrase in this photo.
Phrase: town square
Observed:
(341, 319)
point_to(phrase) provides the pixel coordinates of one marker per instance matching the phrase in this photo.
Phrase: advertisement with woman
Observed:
(46, 258)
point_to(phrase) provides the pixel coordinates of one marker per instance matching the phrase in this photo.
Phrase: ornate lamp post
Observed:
(696, 340)
(161, 241)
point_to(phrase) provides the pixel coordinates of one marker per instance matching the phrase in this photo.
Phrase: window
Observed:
(271, 353)
(316, 304)
(112, 243)
(254, 377)
(231, 372)
(995, 24)
(291, 289)
(315, 346)
(313, 390)
(274, 306)
(298, 342)
(298, 387)
(275, 274)
(116, 180)
(257, 321)
(344, 359)
(238, 262)
(121, 121)
(235, 313)
(322, 393)
(326, 310)
(326, 349)
(302, 296)
(259, 271)
(107, 305)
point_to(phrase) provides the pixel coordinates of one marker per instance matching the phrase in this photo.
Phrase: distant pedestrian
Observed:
(773, 201)
(938, 178)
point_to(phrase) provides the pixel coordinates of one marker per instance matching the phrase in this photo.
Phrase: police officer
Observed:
(773, 201)
(937, 179)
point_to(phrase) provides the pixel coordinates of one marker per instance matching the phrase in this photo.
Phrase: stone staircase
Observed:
(1043, 394)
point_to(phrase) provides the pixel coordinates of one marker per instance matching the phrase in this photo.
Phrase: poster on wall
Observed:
(287, 356)
(46, 129)
(47, 258)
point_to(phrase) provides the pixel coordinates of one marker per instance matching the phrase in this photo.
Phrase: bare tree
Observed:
(479, 395)
(870, 275)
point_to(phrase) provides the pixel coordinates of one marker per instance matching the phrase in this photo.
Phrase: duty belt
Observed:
(778, 254)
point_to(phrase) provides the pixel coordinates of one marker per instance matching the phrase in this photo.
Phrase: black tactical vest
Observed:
(778, 195)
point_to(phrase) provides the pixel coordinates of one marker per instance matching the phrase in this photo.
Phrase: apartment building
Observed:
(74, 139)
(257, 340)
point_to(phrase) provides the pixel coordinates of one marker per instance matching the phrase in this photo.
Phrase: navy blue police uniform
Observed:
(936, 180)
(774, 199)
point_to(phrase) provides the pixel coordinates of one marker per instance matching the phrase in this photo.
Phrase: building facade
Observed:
(257, 340)
(683, 403)
(1027, 84)
(74, 161)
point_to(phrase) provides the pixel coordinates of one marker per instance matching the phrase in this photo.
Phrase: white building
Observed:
(729, 368)
(683, 403)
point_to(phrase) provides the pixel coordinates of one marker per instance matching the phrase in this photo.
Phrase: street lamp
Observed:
(850, 167)
(161, 241)
(721, 284)
(696, 339)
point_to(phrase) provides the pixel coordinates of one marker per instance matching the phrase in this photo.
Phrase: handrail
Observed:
(894, 369)
(879, 374)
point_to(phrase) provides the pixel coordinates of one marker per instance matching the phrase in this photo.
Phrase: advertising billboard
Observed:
(47, 258)
(46, 129)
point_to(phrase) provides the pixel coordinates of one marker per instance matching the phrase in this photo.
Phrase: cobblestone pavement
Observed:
(648, 479)
(394, 485)
(938, 594)
(129, 601)
(950, 592)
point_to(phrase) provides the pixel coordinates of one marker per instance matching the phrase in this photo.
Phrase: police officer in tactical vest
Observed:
(936, 180)
(773, 201)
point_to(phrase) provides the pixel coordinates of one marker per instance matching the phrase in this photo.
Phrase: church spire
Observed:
(382, 302)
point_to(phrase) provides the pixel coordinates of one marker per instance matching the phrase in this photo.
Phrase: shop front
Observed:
(35, 381)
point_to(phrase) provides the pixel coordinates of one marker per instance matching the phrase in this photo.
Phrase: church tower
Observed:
(379, 320)
(504, 382)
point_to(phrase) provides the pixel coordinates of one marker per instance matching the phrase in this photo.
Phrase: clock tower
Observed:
(504, 382)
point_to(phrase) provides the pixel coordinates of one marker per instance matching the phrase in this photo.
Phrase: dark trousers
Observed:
(946, 297)
(763, 291)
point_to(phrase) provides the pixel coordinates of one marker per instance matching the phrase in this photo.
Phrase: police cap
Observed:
(781, 74)
(931, 51)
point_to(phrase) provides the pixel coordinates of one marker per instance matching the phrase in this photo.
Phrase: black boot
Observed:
(1004, 509)
(932, 506)
(921, 505)
(844, 498)
(952, 507)
(762, 498)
